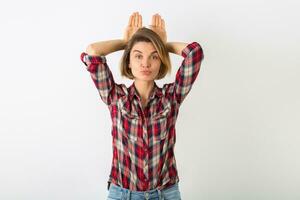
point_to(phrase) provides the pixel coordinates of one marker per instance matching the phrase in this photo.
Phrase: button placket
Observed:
(146, 168)
(145, 132)
(147, 195)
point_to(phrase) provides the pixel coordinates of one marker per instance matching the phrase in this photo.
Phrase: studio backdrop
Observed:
(237, 133)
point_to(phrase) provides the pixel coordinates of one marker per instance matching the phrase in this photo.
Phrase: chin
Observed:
(145, 79)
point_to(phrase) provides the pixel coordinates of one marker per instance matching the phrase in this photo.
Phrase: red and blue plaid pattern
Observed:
(144, 138)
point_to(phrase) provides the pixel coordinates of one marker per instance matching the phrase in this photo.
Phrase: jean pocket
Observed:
(114, 194)
(172, 193)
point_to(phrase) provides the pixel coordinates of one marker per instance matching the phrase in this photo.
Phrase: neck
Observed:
(144, 88)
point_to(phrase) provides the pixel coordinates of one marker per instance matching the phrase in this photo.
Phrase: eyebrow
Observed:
(142, 52)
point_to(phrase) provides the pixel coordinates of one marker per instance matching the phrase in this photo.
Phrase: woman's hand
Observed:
(135, 22)
(158, 26)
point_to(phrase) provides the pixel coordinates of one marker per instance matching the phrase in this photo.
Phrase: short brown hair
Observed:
(146, 35)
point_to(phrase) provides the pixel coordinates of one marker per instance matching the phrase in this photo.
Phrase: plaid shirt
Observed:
(144, 138)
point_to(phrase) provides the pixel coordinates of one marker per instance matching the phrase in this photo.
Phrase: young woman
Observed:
(143, 115)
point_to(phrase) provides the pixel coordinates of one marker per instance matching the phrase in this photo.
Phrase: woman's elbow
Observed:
(90, 50)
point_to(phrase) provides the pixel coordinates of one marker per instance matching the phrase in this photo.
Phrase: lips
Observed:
(146, 73)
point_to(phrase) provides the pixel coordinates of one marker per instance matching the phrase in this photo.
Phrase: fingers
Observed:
(157, 21)
(153, 20)
(135, 20)
(130, 20)
(140, 22)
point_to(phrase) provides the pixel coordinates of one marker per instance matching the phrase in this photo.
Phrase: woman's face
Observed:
(144, 61)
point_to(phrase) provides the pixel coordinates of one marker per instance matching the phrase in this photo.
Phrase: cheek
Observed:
(134, 63)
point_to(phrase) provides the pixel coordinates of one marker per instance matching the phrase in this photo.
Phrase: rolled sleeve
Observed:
(101, 76)
(91, 62)
(188, 71)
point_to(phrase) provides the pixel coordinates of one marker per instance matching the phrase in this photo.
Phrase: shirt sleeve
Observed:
(188, 71)
(101, 76)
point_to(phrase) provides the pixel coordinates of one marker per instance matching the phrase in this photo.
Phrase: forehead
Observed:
(144, 47)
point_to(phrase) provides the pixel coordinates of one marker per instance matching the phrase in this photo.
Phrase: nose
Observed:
(146, 63)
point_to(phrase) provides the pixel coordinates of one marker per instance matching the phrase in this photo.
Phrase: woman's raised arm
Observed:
(176, 47)
(158, 26)
(105, 47)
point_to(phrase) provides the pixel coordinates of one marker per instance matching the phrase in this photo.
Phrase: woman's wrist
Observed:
(106, 47)
(176, 47)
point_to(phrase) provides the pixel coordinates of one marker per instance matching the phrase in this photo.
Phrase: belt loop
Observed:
(108, 185)
(160, 196)
(128, 195)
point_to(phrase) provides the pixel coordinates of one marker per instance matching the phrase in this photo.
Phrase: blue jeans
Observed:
(118, 193)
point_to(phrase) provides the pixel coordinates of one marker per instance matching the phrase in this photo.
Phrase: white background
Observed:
(237, 131)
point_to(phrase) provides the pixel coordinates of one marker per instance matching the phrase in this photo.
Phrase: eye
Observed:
(138, 56)
(155, 57)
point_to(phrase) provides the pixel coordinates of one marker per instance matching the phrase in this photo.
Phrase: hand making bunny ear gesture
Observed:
(158, 26)
(134, 23)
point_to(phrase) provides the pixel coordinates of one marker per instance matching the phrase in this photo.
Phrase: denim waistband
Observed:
(129, 194)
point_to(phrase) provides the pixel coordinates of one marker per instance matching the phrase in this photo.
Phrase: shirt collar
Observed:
(156, 91)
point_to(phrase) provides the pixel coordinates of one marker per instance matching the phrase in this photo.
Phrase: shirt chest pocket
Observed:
(129, 123)
(159, 123)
